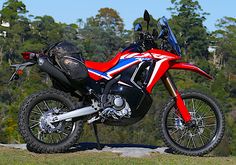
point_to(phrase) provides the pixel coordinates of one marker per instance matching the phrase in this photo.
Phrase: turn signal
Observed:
(19, 72)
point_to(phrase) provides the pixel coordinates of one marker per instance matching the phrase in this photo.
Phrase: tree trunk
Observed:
(1, 55)
(10, 56)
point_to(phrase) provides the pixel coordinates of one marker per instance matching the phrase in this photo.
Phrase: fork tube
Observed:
(169, 84)
(171, 87)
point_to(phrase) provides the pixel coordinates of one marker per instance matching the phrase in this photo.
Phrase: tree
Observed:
(187, 23)
(225, 38)
(13, 13)
(100, 44)
(46, 30)
(107, 18)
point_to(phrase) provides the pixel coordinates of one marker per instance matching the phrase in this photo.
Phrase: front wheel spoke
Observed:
(172, 118)
(194, 145)
(209, 125)
(204, 111)
(174, 131)
(171, 126)
(207, 117)
(199, 107)
(210, 130)
(205, 137)
(193, 106)
(201, 139)
(181, 137)
(188, 141)
(174, 113)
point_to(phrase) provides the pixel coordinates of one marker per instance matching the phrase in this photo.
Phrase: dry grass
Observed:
(20, 157)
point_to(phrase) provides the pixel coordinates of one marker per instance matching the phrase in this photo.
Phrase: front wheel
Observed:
(42, 136)
(197, 139)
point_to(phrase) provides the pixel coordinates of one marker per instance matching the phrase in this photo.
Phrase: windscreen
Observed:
(171, 37)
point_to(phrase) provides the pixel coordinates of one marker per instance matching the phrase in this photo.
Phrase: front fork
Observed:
(170, 86)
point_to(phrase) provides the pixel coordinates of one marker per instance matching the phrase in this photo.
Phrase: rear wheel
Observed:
(197, 139)
(42, 136)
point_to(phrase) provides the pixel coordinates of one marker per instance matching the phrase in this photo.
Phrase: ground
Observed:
(13, 156)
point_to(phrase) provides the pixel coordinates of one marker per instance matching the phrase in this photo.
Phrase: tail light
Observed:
(28, 55)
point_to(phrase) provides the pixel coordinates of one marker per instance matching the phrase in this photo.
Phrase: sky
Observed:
(68, 11)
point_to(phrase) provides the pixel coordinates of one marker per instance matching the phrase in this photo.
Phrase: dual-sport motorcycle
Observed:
(118, 93)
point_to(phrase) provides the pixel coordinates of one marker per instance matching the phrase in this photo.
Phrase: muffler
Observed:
(46, 66)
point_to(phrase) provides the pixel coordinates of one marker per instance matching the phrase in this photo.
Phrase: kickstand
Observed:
(96, 135)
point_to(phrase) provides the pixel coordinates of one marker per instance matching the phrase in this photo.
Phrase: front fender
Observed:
(191, 67)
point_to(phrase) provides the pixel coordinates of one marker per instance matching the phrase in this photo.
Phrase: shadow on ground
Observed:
(135, 148)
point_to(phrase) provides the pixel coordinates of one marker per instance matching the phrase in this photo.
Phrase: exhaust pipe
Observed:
(73, 114)
(46, 66)
(54, 72)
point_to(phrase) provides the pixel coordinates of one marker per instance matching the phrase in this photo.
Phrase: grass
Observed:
(10, 156)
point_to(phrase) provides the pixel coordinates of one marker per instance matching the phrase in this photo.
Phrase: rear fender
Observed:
(191, 67)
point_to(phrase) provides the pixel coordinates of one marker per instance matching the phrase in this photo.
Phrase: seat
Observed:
(103, 66)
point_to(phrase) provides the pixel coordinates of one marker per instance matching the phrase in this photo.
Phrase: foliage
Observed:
(187, 23)
(13, 12)
(225, 38)
(99, 44)
(107, 19)
(225, 41)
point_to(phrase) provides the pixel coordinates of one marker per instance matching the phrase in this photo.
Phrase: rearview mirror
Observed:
(146, 17)
(138, 27)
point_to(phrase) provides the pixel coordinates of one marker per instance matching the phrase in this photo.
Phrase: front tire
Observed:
(38, 135)
(197, 140)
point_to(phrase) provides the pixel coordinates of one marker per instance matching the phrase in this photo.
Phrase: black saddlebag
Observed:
(69, 58)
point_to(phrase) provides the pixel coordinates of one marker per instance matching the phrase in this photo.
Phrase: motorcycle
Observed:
(118, 93)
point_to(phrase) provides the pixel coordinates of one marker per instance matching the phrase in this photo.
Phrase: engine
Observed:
(118, 108)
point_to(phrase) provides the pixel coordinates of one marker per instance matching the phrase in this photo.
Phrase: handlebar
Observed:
(147, 40)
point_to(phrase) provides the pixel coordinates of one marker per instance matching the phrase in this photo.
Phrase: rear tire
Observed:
(35, 144)
(180, 137)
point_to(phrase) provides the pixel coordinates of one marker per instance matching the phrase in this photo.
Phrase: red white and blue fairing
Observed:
(125, 59)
